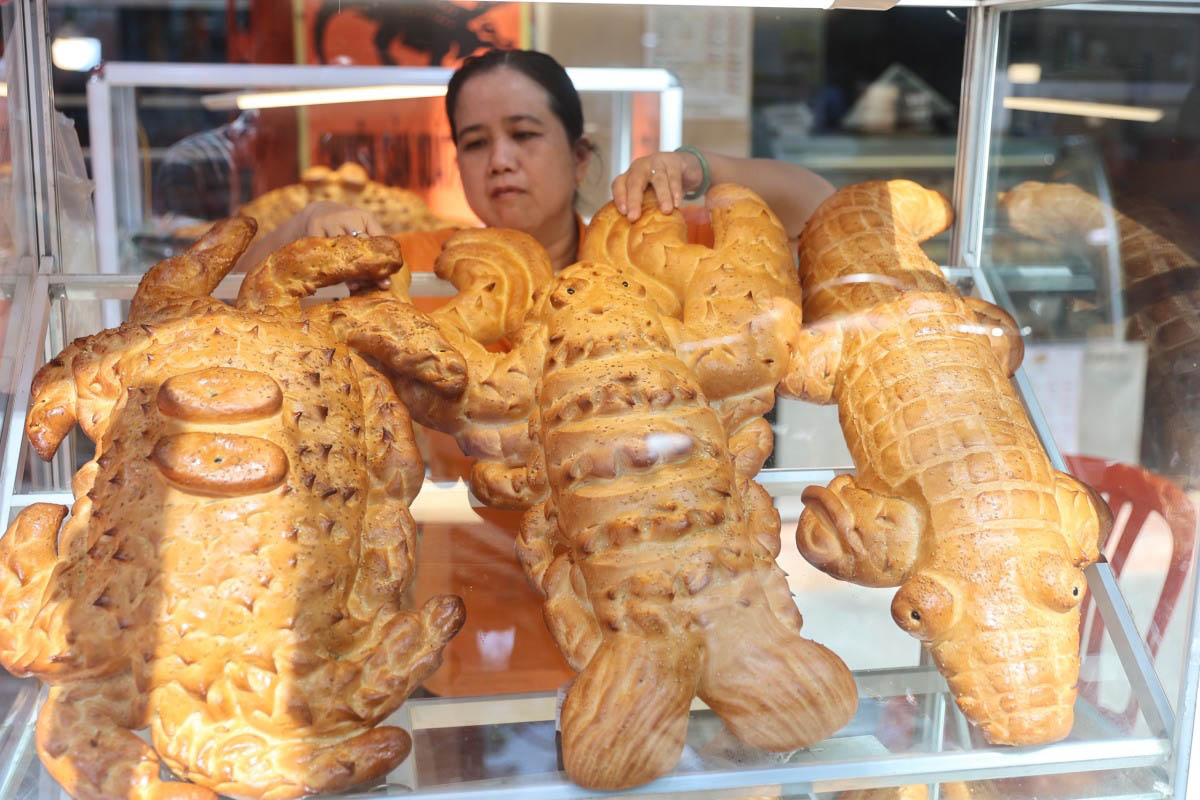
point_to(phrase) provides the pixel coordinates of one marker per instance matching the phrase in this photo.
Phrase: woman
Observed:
(517, 124)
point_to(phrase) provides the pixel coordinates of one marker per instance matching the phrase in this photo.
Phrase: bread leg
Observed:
(857, 535)
(569, 615)
(750, 446)
(763, 524)
(393, 459)
(1002, 333)
(190, 277)
(86, 742)
(28, 558)
(814, 365)
(1086, 518)
(653, 680)
(81, 385)
(407, 652)
(774, 689)
(761, 517)
(385, 561)
(41, 570)
(402, 338)
(503, 486)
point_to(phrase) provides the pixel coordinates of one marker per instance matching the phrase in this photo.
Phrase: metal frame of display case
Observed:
(847, 762)
(112, 117)
(970, 184)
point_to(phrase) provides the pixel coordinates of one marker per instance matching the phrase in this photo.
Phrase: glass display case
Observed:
(487, 724)
(632, 110)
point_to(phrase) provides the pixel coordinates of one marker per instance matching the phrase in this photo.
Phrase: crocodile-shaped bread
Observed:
(955, 500)
(627, 418)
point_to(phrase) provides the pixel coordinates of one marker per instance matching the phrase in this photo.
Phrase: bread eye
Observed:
(925, 607)
(1055, 582)
(559, 297)
(625, 284)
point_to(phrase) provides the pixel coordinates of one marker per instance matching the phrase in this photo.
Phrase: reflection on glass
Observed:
(1097, 256)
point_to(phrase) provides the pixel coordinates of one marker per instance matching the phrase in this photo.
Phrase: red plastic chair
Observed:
(1144, 492)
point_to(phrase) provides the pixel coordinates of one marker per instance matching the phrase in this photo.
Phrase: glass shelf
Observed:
(504, 748)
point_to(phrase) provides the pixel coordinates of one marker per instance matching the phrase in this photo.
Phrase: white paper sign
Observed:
(1092, 394)
(708, 49)
(1056, 372)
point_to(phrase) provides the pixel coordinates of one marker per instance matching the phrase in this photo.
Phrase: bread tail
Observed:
(625, 719)
(777, 690)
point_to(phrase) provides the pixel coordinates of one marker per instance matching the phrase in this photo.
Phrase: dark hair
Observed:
(539, 68)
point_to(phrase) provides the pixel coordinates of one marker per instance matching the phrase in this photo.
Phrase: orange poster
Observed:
(401, 142)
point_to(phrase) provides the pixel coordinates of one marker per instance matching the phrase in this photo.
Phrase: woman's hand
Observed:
(669, 174)
(329, 218)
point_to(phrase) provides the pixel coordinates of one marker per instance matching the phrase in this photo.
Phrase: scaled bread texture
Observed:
(955, 500)
(627, 419)
(234, 571)
(1161, 283)
(398, 210)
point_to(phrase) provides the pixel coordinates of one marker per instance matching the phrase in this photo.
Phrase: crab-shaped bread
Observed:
(234, 571)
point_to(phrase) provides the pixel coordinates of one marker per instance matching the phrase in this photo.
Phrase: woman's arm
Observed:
(792, 192)
(322, 218)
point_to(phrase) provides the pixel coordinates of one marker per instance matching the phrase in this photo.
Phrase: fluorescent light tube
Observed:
(1079, 108)
(629, 79)
(1024, 73)
(586, 79)
(314, 97)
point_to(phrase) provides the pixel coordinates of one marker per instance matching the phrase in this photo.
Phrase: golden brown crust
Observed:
(955, 500)
(305, 265)
(738, 303)
(220, 464)
(498, 274)
(235, 570)
(658, 556)
(219, 394)
(398, 210)
(181, 285)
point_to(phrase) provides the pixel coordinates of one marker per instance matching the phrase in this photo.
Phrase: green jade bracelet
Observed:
(707, 181)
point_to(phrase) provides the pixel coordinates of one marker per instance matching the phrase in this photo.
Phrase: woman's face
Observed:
(518, 169)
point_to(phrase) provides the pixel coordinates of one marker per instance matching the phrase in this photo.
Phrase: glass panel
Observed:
(1093, 252)
(907, 727)
(854, 97)
(18, 242)
(18, 245)
(484, 723)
